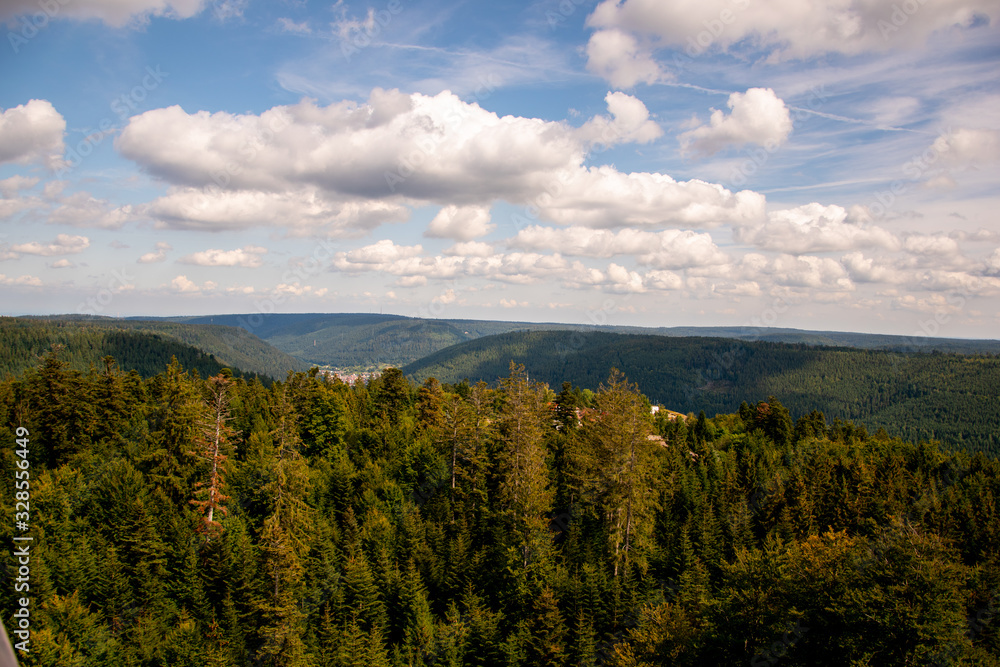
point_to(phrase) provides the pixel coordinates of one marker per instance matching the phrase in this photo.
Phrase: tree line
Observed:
(950, 398)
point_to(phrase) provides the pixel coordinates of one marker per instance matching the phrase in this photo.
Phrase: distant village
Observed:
(350, 377)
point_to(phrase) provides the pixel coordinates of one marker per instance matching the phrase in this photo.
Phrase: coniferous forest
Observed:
(184, 519)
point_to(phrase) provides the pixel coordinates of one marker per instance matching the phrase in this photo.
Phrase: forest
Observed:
(145, 346)
(951, 398)
(187, 519)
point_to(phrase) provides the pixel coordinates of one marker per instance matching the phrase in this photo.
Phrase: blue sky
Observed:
(784, 163)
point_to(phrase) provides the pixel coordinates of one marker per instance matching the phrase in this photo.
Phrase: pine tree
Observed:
(619, 468)
(213, 446)
(283, 538)
(524, 491)
(546, 645)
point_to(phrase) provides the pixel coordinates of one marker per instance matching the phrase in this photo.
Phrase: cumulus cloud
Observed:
(814, 228)
(809, 271)
(993, 263)
(785, 29)
(184, 284)
(304, 211)
(300, 290)
(931, 245)
(669, 249)
(866, 270)
(11, 199)
(62, 264)
(32, 132)
(25, 280)
(664, 280)
(470, 249)
(247, 257)
(408, 261)
(116, 13)
(605, 197)
(629, 123)
(159, 255)
(10, 187)
(617, 57)
(462, 223)
(757, 117)
(448, 296)
(81, 209)
(346, 168)
(966, 146)
(64, 244)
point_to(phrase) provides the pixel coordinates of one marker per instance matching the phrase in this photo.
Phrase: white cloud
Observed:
(629, 122)
(448, 296)
(993, 263)
(966, 146)
(664, 280)
(64, 244)
(462, 223)
(158, 255)
(748, 288)
(300, 290)
(288, 25)
(25, 280)
(669, 249)
(247, 257)
(378, 254)
(605, 197)
(10, 187)
(346, 168)
(408, 261)
(412, 281)
(814, 228)
(116, 13)
(32, 132)
(304, 211)
(867, 270)
(470, 249)
(617, 57)
(809, 271)
(931, 245)
(80, 209)
(786, 29)
(183, 284)
(758, 117)
(62, 264)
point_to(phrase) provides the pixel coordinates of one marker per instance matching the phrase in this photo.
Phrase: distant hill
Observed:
(949, 397)
(358, 339)
(143, 345)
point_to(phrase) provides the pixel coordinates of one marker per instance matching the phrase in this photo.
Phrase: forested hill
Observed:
(186, 521)
(144, 346)
(372, 339)
(949, 397)
(349, 339)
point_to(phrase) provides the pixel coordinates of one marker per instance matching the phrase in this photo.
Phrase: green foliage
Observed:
(386, 524)
(912, 394)
(143, 346)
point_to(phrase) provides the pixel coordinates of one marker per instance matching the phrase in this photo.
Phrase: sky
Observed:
(789, 163)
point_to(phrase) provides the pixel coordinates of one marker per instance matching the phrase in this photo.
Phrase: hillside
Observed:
(947, 397)
(141, 345)
(387, 525)
(359, 339)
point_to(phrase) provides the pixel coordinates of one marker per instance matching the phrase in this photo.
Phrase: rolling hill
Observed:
(948, 397)
(366, 340)
(142, 345)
